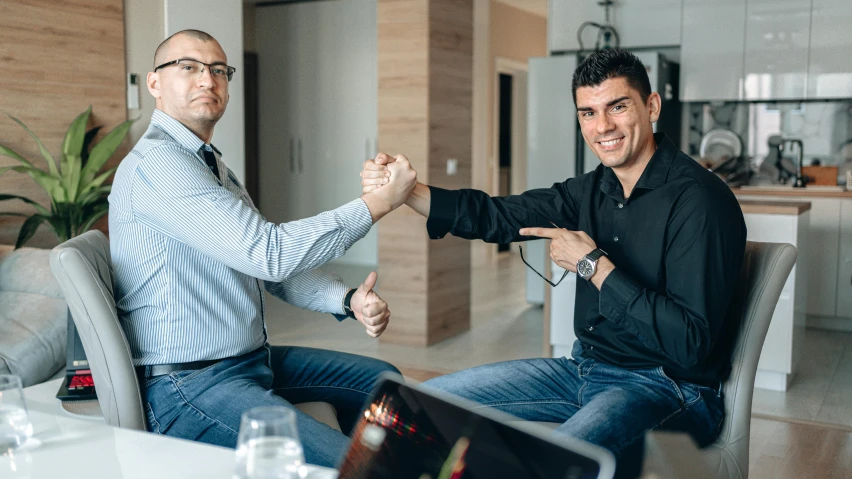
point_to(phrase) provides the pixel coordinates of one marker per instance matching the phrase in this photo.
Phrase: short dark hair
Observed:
(616, 63)
(162, 49)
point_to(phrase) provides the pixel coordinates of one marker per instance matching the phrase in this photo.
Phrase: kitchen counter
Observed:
(769, 207)
(813, 192)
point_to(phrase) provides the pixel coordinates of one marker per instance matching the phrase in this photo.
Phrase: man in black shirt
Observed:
(658, 242)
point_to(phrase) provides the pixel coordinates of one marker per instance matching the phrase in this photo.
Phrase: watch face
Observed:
(584, 269)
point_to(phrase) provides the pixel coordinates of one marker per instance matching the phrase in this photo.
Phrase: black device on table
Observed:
(408, 431)
(78, 384)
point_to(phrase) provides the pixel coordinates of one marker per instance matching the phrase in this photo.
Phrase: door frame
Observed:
(519, 72)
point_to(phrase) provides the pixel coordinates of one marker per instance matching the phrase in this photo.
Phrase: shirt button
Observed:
(615, 239)
(591, 328)
(621, 205)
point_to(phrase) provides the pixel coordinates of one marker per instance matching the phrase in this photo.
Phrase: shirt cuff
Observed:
(356, 220)
(617, 292)
(334, 299)
(442, 212)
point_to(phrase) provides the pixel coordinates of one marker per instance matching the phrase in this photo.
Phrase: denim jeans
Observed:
(206, 405)
(596, 402)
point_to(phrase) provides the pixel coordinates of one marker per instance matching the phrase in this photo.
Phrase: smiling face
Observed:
(196, 100)
(616, 123)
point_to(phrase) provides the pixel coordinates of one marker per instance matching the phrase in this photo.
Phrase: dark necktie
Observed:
(210, 159)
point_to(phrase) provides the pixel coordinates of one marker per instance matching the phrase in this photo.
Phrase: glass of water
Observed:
(268, 446)
(15, 427)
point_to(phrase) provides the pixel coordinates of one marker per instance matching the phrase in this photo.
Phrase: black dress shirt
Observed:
(677, 244)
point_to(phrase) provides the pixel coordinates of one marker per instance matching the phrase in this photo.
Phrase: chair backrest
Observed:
(82, 267)
(765, 269)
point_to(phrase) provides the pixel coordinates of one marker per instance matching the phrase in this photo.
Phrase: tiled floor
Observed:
(506, 327)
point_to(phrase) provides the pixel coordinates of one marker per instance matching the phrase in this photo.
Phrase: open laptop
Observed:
(413, 432)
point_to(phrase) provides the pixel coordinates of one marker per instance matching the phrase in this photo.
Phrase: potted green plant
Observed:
(75, 185)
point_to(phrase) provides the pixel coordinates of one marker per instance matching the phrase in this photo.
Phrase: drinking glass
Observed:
(15, 427)
(268, 446)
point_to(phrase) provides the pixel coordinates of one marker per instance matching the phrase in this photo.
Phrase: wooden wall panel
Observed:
(56, 59)
(425, 94)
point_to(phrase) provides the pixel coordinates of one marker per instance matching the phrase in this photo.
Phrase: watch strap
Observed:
(596, 254)
(347, 303)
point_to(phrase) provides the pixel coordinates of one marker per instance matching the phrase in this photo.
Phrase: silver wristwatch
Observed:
(588, 264)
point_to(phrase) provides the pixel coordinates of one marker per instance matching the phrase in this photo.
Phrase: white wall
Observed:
(143, 32)
(224, 20)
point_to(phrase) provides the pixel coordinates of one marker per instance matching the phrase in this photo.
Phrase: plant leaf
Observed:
(28, 229)
(46, 154)
(10, 213)
(94, 214)
(97, 181)
(104, 150)
(50, 184)
(87, 143)
(4, 151)
(41, 209)
(71, 177)
(72, 145)
(19, 169)
(93, 195)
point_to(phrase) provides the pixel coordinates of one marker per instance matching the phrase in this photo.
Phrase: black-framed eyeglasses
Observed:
(521, 249)
(194, 68)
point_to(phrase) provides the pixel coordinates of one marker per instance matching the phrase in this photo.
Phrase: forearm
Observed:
(314, 290)
(377, 206)
(420, 199)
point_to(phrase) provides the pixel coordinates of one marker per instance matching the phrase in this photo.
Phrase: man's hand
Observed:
(370, 310)
(397, 181)
(376, 174)
(566, 247)
(569, 247)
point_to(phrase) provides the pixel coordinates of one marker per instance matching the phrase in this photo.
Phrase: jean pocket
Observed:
(181, 377)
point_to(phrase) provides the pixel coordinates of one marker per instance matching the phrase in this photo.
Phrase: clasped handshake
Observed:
(390, 181)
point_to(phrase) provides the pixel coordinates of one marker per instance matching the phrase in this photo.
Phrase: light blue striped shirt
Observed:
(189, 254)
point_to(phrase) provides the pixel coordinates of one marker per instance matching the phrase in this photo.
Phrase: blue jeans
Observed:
(605, 405)
(206, 405)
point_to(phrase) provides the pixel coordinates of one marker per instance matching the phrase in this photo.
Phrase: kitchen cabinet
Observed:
(822, 247)
(318, 108)
(712, 54)
(630, 18)
(782, 346)
(844, 265)
(776, 49)
(830, 64)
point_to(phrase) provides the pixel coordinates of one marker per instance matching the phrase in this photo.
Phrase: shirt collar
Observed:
(180, 133)
(655, 174)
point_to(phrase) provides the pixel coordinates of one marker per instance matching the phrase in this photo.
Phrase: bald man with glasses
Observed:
(192, 257)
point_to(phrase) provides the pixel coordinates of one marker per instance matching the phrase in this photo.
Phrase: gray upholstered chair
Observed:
(765, 269)
(82, 267)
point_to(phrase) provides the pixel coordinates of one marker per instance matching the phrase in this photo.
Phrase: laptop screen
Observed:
(409, 432)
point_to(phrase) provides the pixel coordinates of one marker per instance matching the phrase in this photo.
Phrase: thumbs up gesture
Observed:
(370, 310)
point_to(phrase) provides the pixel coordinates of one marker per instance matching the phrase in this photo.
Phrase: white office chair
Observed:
(82, 267)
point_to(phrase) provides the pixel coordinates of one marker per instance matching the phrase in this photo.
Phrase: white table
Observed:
(65, 447)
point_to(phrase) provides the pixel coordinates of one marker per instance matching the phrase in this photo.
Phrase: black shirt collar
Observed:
(655, 173)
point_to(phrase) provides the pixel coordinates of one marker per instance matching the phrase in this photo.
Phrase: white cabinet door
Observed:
(277, 50)
(347, 108)
(630, 18)
(776, 49)
(830, 67)
(844, 270)
(712, 57)
(823, 239)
